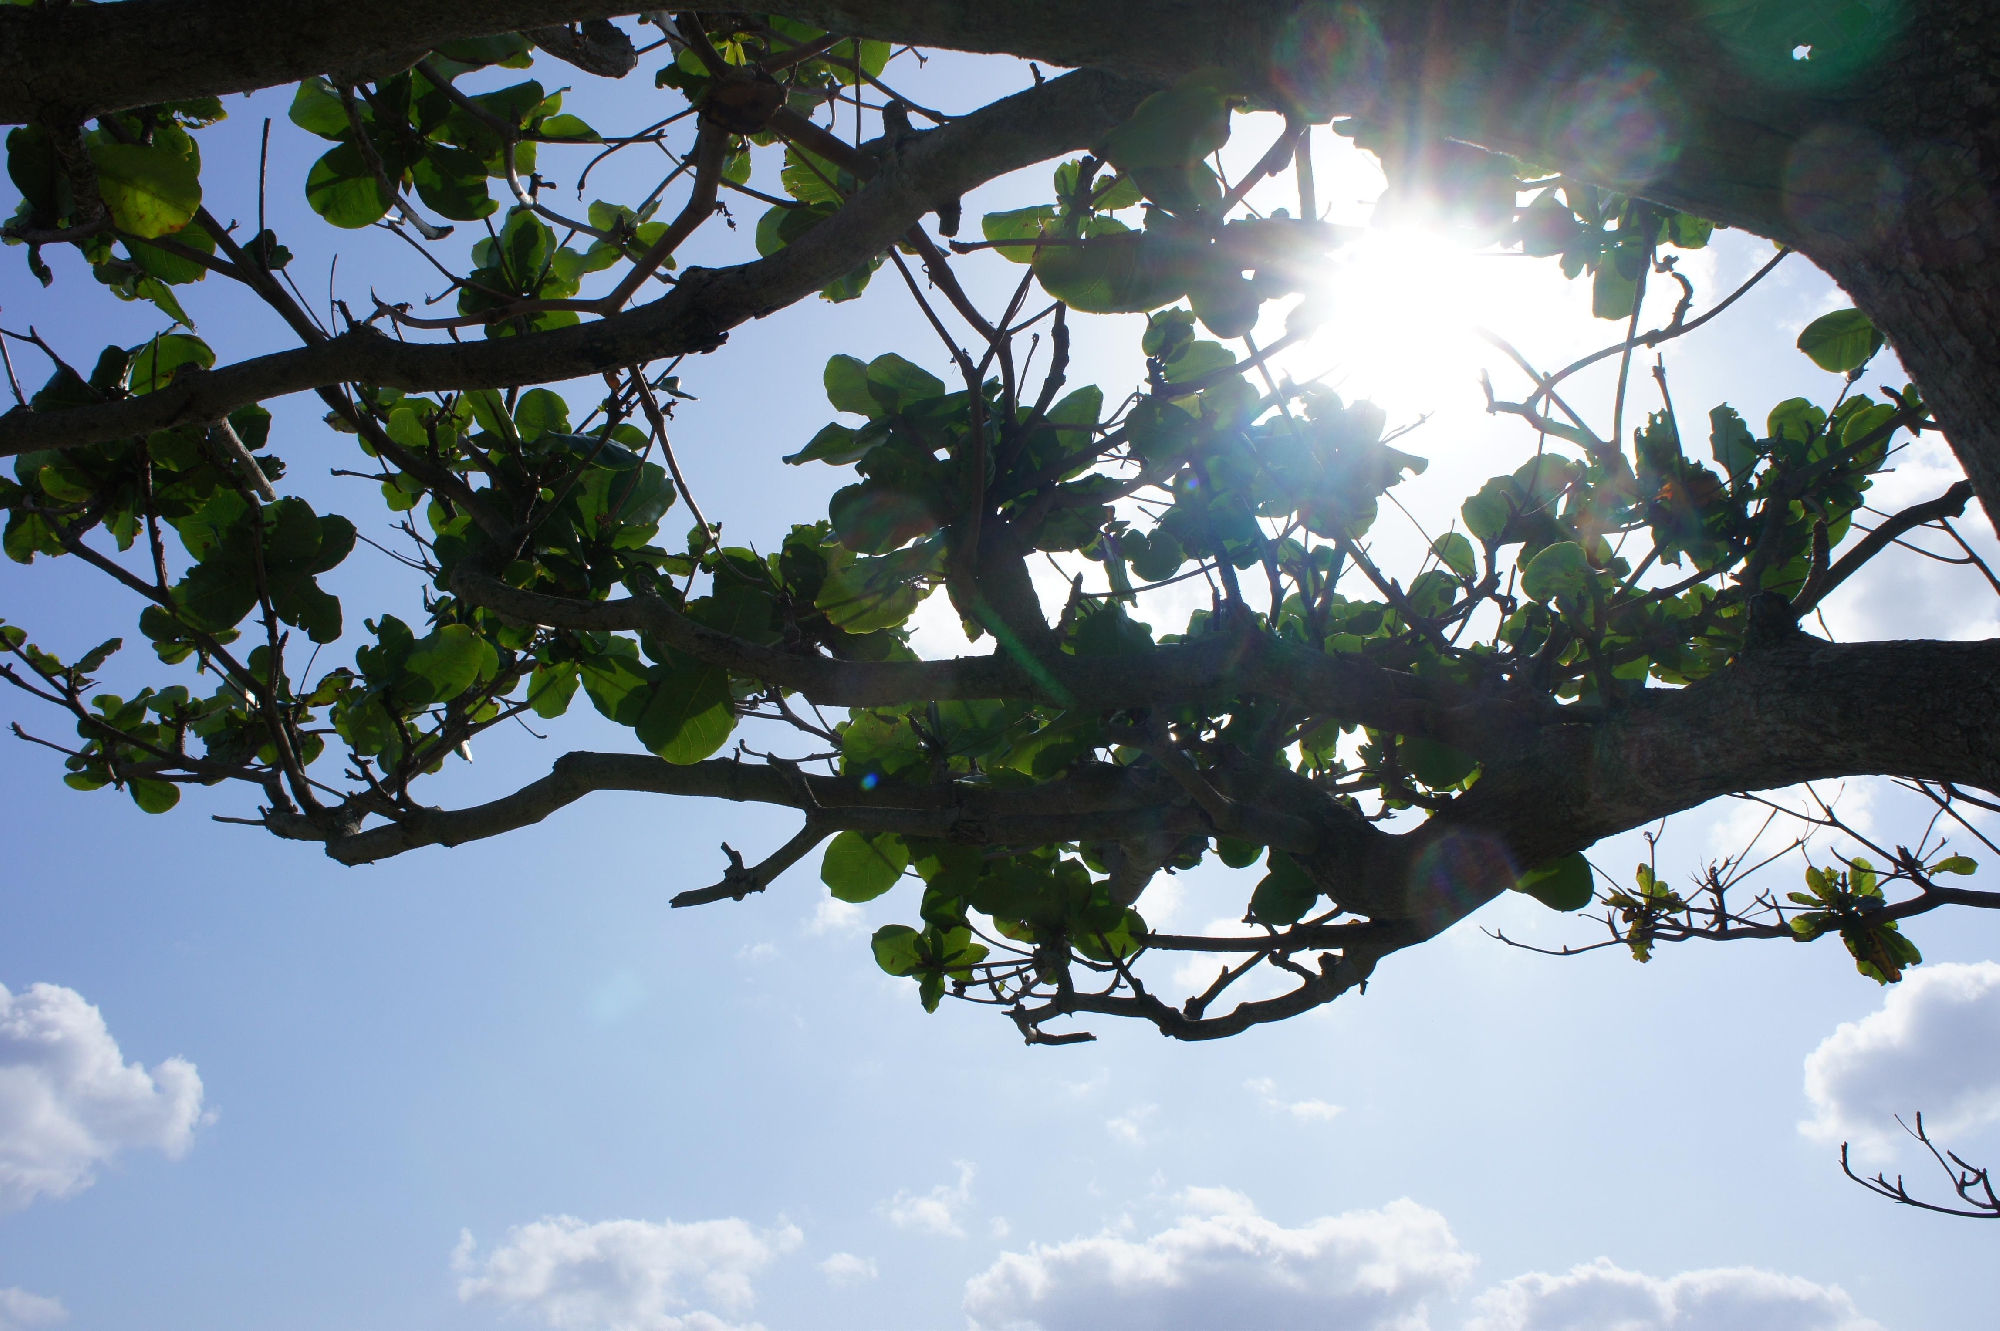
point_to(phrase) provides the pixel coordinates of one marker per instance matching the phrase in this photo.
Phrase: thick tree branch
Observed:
(1215, 665)
(84, 60)
(1017, 131)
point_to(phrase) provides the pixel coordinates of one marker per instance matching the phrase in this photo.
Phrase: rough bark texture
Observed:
(1886, 177)
(1915, 239)
(67, 63)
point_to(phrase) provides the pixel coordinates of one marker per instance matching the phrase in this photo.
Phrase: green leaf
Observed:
(1557, 570)
(1236, 854)
(1160, 148)
(812, 179)
(451, 660)
(616, 682)
(540, 412)
(551, 687)
(846, 380)
(150, 190)
(1201, 358)
(836, 445)
(1285, 894)
(1958, 864)
(1456, 554)
(1020, 224)
(153, 796)
(317, 109)
(154, 363)
(1158, 555)
(1128, 273)
(571, 128)
(897, 948)
(1486, 513)
(1563, 884)
(1842, 342)
(1612, 294)
(863, 595)
(896, 384)
(1688, 232)
(689, 715)
(452, 183)
(1731, 442)
(860, 868)
(342, 188)
(35, 170)
(1439, 766)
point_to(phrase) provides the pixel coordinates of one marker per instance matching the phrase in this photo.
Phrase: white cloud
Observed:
(1096, 1082)
(20, 1310)
(1934, 1045)
(623, 1275)
(936, 1211)
(1601, 1297)
(1741, 826)
(844, 1268)
(69, 1102)
(1130, 1126)
(756, 952)
(1221, 1265)
(833, 916)
(1305, 1111)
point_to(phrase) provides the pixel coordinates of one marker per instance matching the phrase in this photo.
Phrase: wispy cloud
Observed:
(1305, 1111)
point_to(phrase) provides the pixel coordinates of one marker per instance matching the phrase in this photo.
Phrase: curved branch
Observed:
(1241, 661)
(1095, 803)
(1950, 504)
(1029, 127)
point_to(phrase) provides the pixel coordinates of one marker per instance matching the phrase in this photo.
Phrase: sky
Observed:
(505, 1086)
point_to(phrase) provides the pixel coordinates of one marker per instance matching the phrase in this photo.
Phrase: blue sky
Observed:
(505, 1085)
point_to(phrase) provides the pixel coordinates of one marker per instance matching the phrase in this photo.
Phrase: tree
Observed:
(1611, 638)
(1972, 1183)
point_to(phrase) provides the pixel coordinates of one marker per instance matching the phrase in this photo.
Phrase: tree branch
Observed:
(1061, 115)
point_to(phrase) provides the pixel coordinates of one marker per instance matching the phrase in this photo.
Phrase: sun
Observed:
(1405, 307)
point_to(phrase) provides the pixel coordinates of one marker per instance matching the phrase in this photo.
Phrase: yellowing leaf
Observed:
(151, 191)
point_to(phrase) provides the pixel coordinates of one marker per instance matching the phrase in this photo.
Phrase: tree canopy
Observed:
(1598, 638)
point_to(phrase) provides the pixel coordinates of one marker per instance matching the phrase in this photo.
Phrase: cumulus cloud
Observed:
(69, 1101)
(833, 916)
(1934, 1045)
(20, 1310)
(623, 1275)
(936, 1211)
(1599, 1297)
(1305, 1111)
(1223, 1264)
(844, 1268)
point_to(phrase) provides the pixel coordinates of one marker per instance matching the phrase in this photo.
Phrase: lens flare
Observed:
(1842, 185)
(1458, 871)
(1328, 60)
(1623, 124)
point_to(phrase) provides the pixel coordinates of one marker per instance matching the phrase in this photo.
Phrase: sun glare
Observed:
(1404, 306)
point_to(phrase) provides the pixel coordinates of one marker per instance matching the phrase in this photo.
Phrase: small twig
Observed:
(224, 434)
(739, 882)
(657, 419)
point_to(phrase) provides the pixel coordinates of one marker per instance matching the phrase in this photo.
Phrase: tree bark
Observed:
(1885, 173)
